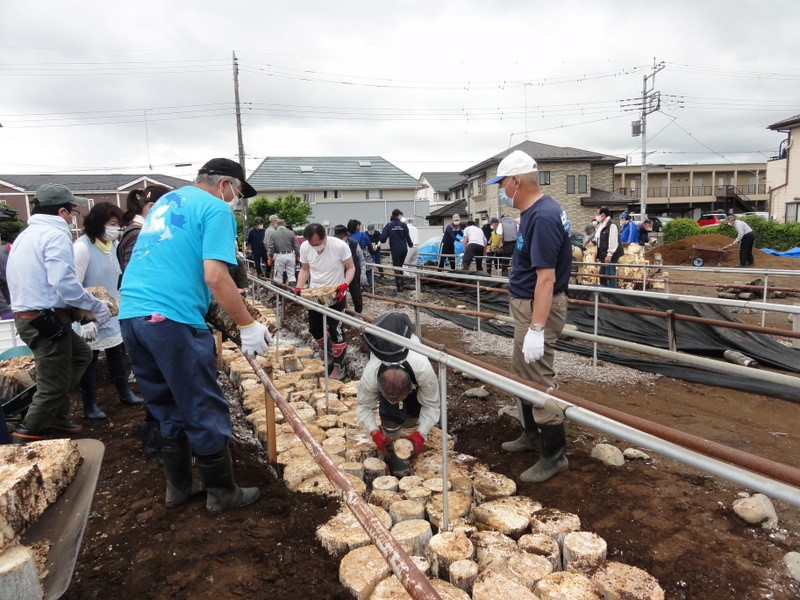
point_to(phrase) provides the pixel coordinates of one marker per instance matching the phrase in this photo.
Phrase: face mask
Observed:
(319, 248)
(233, 204)
(504, 199)
(112, 233)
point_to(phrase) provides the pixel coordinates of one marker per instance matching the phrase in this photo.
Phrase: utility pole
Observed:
(651, 102)
(241, 142)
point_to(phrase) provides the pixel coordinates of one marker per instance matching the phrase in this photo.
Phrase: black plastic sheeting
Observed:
(692, 338)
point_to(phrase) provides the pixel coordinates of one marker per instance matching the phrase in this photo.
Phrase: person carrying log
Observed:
(401, 384)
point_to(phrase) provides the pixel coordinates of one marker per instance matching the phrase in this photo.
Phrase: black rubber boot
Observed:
(530, 438)
(177, 455)
(216, 471)
(119, 373)
(89, 392)
(553, 460)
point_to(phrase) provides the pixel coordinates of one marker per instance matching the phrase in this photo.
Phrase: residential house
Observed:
(690, 190)
(580, 180)
(783, 174)
(436, 188)
(18, 191)
(340, 188)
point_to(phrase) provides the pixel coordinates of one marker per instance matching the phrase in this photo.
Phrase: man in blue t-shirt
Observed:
(180, 259)
(537, 287)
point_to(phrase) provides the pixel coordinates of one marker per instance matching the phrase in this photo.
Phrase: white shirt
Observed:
(413, 233)
(41, 268)
(427, 393)
(742, 229)
(326, 268)
(474, 235)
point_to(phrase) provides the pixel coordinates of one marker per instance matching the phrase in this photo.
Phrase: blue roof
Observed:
(329, 173)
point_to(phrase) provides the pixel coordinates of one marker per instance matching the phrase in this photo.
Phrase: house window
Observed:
(374, 194)
(310, 197)
(792, 212)
(477, 187)
(583, 182)
(544, 177)
(331, 194)
(570, 184)
(91, 203)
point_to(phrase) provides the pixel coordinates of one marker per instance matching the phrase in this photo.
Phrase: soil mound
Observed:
(682, 253)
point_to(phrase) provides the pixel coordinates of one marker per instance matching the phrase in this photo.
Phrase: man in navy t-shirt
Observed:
(537, 287)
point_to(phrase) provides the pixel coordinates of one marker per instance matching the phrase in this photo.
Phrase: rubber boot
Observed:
(119, 373)
(89, 392)
(177, 455)
(530, 438)
(553, 459)
(216, 471)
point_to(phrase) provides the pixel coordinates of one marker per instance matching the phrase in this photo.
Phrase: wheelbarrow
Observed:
(704, 253)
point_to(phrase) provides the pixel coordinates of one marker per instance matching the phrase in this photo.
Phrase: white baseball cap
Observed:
(516, 163)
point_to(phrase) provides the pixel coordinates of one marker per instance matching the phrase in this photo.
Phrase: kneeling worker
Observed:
(401, 384)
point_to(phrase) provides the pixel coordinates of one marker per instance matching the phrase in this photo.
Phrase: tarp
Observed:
(429, 251)
(692, 338)
(793, 253)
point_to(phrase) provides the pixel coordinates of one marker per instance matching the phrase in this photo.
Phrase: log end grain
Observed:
(617, 581)
(566, 586)
(18, 576)
(362, 569)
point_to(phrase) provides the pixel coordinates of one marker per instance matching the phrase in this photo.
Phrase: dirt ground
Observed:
(668, 519)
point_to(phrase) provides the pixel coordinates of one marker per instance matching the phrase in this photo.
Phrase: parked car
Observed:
(757, 213)
(658, 222)
(709, 219)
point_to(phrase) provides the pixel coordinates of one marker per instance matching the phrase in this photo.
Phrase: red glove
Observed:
(297, 291)
(341, 292)
(418, 441)
(381, 441)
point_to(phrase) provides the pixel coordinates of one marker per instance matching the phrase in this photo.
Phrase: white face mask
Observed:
(112, 233)
(233, 204)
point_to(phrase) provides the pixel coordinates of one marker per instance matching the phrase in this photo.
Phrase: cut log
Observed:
(328, 422)
(18, 577)
(566, 586)
(403, 449)
(385, 482)
(463, 574)
(542, 545)
(436, 485)
(325, 295)
(414, 534)
(355, 469)
(344, 533)
(555, 523)
(294, 452)
(320, 484)
(458, 506)
(58, 461)
(391, 589)
(410, 482)
(22, 499)
(422, 563)
(335, 432)
(526, 569)
(384, 498)
(418, 494)
(487, 485)
(583, 552)
(491, 546)
(444, 549)
(299, 470)
(491, 585)
(463, 526)
(349, 420)
(429, 464)
(510, 516)
(461, 484)
(335, 445)
(405, 510)
(362, 569)
(304, 410)
(616, 581)
(374, 468)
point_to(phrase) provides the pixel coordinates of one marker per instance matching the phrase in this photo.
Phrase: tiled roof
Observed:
(543, 153)
(105, 182)
(459, 207)
(329, 172)
(791, 121)
(441, 181)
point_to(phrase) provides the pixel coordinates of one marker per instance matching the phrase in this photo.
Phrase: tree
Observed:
(291, 208)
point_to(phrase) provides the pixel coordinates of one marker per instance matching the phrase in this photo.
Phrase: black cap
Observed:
(385, 350)
(229, 168)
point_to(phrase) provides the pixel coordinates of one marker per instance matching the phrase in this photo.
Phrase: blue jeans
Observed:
(176, 371)
(607, 269)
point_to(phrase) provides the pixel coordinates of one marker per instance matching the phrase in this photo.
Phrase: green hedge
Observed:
(769, 234)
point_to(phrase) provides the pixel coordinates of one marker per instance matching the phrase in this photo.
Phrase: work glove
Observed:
(297, 291)
(341, 292)
(103, 313)
(255, 339)
(381, 441)
(89, 331)
(533, 346)
(418, 441)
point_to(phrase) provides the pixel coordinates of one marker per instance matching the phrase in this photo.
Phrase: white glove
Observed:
(255, 339)
(103, 313)
(89, 331)
(533, 346)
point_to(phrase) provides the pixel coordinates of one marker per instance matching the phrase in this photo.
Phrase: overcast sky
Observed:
(431, 86)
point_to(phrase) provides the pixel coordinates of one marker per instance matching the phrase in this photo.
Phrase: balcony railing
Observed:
(690, 191)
